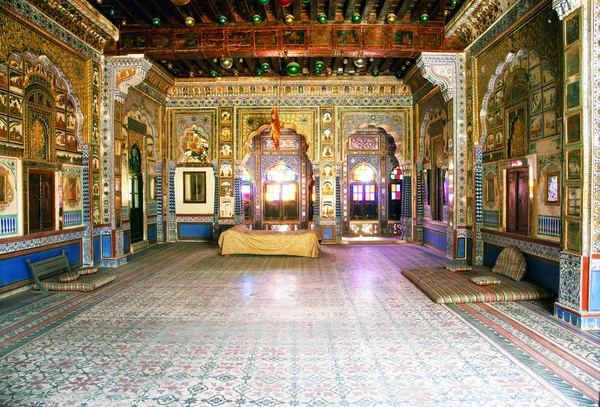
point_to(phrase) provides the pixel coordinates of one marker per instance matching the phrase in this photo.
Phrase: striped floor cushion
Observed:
(86, 282)
(446, 287)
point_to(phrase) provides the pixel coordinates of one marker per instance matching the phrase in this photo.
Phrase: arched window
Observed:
(363, 193)
(247, 196)
(281, 194)
(395, 194)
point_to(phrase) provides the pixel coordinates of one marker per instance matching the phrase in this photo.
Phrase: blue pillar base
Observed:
(583, 320)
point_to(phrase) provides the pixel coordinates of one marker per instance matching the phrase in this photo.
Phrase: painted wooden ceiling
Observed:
(246, 38)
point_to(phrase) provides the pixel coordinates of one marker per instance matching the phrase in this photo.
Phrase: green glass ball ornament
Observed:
(222, 20)
(319, 65)
(454, 3)
(374, 73)
(424, 17)
(213, 74)
(259, 72)
(356, 18)
(293, 68)
(156, 21)
(265, 67)
(305, 1)
(112, 12)
(263, 2)
(317, 72)
(256, 19)
(322, 18)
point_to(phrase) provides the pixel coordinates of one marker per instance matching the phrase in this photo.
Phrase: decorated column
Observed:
(448, 71)
(579, 290)
(120, 73)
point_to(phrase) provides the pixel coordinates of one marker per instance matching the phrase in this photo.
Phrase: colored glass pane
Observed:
(363, 173)
(280, 173)
(396, 174)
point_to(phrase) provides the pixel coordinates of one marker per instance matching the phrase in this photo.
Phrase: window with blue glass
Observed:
(395, 194)
(363, 193)
(281, 194)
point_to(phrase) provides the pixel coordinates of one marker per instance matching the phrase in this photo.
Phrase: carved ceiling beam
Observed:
(272, 41)
(213, 12)
(314, 10)
(246, 11)
(297, 8)
(385, 10)
(332, 9)
(350, 9)
(418, 10)
(401, 8)
(229, 10)
(367, 8)
(435, 9)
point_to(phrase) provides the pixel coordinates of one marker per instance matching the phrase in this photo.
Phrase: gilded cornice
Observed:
(81, 19)
(565, 7)
(299, 92)
(473, 19)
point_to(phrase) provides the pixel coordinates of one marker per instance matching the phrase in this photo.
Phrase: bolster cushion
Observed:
(511, 263)
(68, 276)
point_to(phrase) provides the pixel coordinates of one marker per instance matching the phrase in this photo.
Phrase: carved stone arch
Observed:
(398, 140)
(149, 122)
(60, 77)
(39, 146)
(497, 80)
(264, 127)
(424, 130)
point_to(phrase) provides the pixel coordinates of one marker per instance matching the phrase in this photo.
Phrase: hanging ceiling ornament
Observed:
(180, 2)
(289, 19)
(226, 63)
(283, 3)
(360, 62)
(293, 68)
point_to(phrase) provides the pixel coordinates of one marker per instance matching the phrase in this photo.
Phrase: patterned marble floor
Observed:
(183, 326)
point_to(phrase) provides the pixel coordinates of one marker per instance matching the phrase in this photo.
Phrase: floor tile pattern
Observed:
(184, 326)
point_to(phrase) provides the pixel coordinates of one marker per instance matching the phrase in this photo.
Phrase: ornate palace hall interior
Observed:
(165, 166)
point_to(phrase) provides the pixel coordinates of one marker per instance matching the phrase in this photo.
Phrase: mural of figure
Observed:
(516, 137)
(195, 147)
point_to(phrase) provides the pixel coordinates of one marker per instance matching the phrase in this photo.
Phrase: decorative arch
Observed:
(392, 124)
(523, 59)
(60, 80)
(437, 109)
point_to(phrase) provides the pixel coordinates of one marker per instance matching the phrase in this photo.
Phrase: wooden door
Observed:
(41, 201)
(136, 209)
(517, 203)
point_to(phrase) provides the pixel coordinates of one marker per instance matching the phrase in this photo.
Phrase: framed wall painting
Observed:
(3, 189)
(490, 190)
(194, 187)
(552, 193)
(573, 236)
(572, 30)
(574, 164)
(574, 200)
(572, 65)
(573, 95)
(71, 193)
(573, 129)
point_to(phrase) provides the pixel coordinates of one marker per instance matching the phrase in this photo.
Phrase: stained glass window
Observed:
(363, 173)
(396, 193)
(396, 174)
(246, 176)
(273, 192)
(280, 173)
(246, 192)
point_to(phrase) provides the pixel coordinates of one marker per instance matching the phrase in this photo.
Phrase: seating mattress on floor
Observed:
(447, 287)
(88, 282)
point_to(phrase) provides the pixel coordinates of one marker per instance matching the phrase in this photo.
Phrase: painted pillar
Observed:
(579, 290)
(448, 71)
(119, 74)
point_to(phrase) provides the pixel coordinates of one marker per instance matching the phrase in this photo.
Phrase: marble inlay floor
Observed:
(183, 326)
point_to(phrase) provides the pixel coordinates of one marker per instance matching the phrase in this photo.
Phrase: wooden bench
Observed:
(86, 282)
